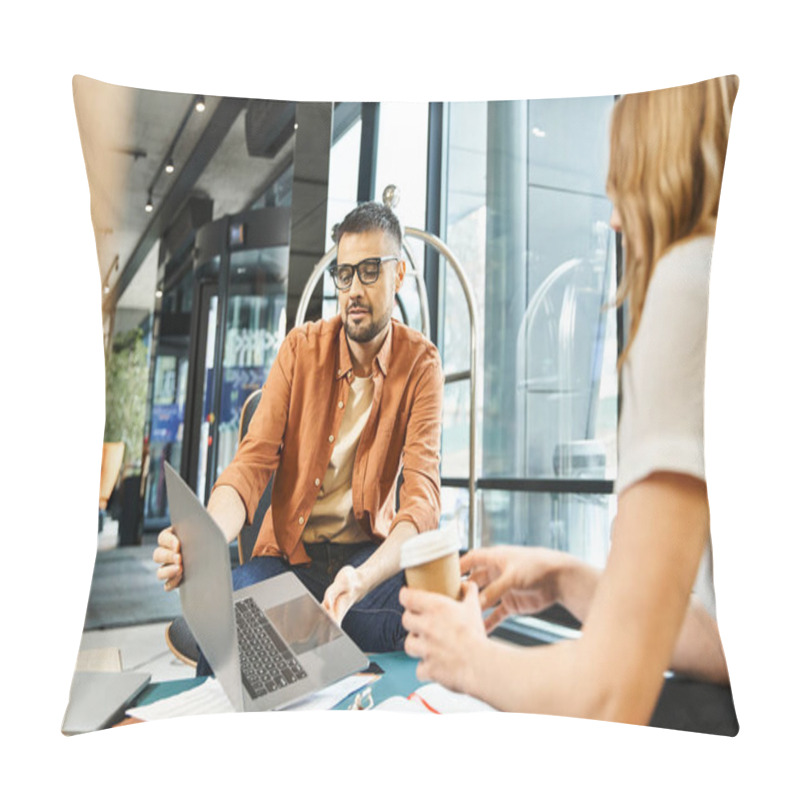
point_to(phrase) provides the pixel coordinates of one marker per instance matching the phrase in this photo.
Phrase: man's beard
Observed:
(361, 333)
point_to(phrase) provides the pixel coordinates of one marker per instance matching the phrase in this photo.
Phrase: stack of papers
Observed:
(210, 698)
(207, 698)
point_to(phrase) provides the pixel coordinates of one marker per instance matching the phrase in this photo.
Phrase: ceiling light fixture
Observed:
(168, 165)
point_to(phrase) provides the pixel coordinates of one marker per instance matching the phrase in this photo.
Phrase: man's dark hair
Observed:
(371, 217)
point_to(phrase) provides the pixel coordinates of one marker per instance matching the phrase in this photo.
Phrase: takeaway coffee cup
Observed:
(430, 561)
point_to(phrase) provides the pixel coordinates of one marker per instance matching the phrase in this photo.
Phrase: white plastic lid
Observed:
(428, 546)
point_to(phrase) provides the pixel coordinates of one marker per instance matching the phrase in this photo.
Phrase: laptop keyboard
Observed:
(267, 663)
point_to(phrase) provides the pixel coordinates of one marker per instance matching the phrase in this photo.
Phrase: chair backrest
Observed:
(249, 533)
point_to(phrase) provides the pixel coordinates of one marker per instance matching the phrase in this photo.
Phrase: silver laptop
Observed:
(269, 644)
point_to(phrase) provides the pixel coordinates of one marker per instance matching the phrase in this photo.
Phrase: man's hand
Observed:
(345, 591)
(444, 634)
(168, 554)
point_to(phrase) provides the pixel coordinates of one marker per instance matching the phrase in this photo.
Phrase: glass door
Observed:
(236, 363)
(167, 399)
(221, 322)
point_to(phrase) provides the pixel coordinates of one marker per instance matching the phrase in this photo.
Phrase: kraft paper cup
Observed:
(430, 561)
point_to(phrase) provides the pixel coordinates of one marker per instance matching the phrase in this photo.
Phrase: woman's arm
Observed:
(698, 651)
(615, 670)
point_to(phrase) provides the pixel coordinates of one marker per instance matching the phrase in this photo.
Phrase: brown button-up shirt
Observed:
(294, 428)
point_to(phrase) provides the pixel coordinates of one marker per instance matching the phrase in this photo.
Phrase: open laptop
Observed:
(269, 644)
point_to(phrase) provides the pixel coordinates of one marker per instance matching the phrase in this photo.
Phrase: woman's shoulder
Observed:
(681, 276)
(686, 258)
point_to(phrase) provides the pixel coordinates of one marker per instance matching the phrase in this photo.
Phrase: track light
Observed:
(168, 164)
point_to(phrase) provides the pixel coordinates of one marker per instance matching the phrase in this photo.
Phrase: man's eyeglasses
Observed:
(368, 270)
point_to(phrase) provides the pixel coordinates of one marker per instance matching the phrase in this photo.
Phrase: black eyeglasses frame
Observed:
(333, 271)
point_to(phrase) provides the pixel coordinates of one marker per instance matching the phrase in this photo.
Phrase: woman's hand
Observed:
(518, 580)
(445, 634)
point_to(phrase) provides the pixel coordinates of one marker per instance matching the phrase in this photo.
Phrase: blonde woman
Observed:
(640, 614)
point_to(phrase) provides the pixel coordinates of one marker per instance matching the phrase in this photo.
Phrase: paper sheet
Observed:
(446, 701)
(434, 698)
(398, 703)
(207, 698)
(328, 698)
(210, 698)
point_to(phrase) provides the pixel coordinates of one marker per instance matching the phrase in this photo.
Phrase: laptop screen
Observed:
(302, 624)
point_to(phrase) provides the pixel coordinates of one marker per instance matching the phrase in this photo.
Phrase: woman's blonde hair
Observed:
(665, 173)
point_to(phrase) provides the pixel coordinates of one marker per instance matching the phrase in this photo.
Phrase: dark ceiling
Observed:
(126, 136)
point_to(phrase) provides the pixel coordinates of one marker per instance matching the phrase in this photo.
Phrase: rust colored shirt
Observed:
(294, 429)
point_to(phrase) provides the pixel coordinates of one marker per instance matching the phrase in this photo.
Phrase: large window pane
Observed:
(343, 177)
(577, 523)
(569, 143)
(455, 430)
(464, 230)
(402, 161)
(561, 352)
(526, 214)
(342, 194)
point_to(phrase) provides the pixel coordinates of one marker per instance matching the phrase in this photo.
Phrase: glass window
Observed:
(577, 523)
(255, 324)
(402, 161)
(525, 212)
(403, 157)
(464, 231)
(343, 177)
(342, 194)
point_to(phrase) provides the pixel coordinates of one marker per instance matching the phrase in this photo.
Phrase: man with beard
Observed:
(347, 402)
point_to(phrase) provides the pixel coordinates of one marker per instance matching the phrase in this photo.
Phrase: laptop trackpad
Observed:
(303, 624)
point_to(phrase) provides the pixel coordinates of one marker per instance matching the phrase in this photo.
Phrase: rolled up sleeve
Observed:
(420, 496)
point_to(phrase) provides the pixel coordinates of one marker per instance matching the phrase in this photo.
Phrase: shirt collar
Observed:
(345, 363)
(384, 354)
(382, 359)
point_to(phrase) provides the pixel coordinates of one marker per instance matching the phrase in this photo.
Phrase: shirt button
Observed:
(341, 404)
(330, 438)
(301, 520)
(316, 481)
